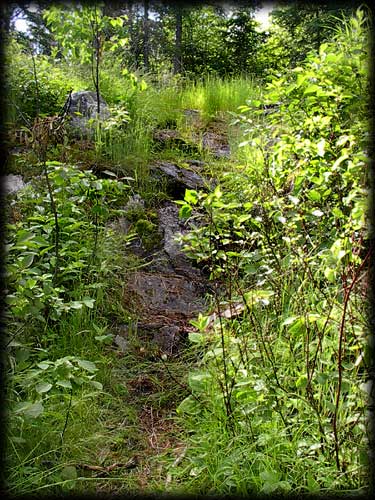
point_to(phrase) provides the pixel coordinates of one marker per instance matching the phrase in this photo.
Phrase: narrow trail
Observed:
(162, 297)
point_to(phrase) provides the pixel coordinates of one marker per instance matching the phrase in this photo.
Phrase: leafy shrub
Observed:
(81, 202)
(49, 314)
(283, 379)
(48, 96)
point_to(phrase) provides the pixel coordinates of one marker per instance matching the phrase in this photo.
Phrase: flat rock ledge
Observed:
(169, 293)
(177, 176)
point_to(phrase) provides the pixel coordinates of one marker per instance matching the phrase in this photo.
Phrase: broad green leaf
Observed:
(87, 365)
(243, 218)
(343, 139)
(270, 476)
(44, 365)
(104, 338)
(314, 195)
(188, 405)
(143, 85)
(27, 260)
(69, 472)
(196, 338)
(116, 22)
(330, 274)
(298, 327)
(312, 89)
(64, 383)
(88, 303)
(301, 381)
(75, 304)
(199, 381)
(218, 193)
(30, 283)
(255, 296)
(185, 212)
(191, 196)
(321, 378)
(312, 483)
(43, 387)
(59, 179)
(23, 235)
(29, 409)
(96, 384)
(289, 320)
(108, 172)
(339, 160)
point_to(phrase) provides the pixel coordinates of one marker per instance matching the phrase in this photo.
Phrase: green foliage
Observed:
(47, 379)
(54, 84)
(213, 95)
(242, 43)
(81, 202)
(54, 327)
(283, 377)
(75, 29)
(295, 31)
(275, 393)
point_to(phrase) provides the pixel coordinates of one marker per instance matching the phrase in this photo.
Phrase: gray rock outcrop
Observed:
(83, 108)
(178, 178)
(13, 183)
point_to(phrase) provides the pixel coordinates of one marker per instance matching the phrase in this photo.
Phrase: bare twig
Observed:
(347, 292)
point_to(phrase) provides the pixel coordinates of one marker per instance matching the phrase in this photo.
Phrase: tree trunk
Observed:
(145, 35)
(6, 12)
(177, 63)
(95, 59)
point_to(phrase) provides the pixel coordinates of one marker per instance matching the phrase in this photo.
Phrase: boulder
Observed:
(13, 183)
(170, 227)
(178, 178)
(163, 299)
(168, 338)
(83, 108)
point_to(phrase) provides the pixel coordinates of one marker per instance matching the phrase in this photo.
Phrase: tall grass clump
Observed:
(213, 95)
(148, 106)
(282, 385)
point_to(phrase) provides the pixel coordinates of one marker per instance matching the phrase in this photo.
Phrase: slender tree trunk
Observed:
(317, 20)
(95, 58)
(97, 79)
(131, 30)
(6, 12)
(177, 63)
(134, 36)
(97, 61)
(146, 35)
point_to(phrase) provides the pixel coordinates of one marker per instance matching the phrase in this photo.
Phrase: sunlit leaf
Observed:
(64, 383)
(188, 405)
(87, 365)
(29, 409)
(43, 387)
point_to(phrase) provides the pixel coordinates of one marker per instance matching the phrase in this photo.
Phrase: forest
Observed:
(187, 248)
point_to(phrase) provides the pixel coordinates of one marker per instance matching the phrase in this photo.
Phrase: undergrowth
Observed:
(272, 391)
(283, 384)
